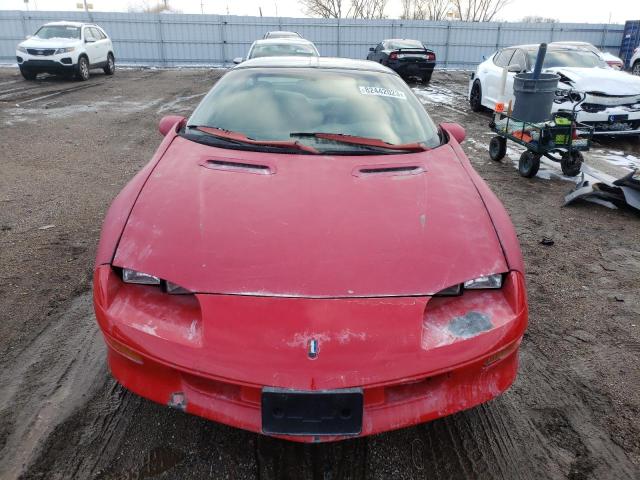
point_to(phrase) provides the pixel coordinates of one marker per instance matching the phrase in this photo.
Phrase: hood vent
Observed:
(239, 167)
(389, 170)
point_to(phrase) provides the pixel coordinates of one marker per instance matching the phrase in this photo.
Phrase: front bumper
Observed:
(211, 355)
(616, 120)
(60, 63)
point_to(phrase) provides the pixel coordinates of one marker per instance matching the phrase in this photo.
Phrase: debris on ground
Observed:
(598, 187)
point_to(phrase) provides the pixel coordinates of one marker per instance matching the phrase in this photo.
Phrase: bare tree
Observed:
(147, 6)
(478, 10)
(436, 9)
(425, 9)
(537, 19)
(369, 9)
(323, 8)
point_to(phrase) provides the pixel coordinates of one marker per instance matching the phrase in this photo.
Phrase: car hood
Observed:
(309, 225)
(36, 42)
(601, 80)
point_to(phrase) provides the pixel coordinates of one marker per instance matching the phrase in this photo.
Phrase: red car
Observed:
(309, 256)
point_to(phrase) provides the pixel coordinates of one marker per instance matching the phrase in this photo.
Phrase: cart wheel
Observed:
(529, 164)
(571, 163)
(497, 148)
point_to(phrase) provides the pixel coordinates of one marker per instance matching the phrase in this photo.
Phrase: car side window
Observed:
(378, 47)
(519, 59)
(503, 57)
(99, 34)
(88, 34)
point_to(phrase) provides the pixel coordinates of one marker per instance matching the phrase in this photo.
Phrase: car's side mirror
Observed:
(168, 122)
(455, 130)
(371, 49)
(238, 60)
(515, 68)
(28, 37)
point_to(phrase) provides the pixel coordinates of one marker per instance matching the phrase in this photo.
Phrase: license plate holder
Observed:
(326, 412)
(622, 117)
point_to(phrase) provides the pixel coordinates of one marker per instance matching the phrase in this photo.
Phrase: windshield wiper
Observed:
(242, 138)
(364, 141)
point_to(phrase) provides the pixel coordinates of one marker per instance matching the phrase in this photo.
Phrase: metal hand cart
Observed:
(561, 139)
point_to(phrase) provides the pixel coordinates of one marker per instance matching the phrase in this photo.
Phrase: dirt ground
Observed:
(67, 148)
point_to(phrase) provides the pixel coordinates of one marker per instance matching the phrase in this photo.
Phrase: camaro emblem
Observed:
(313, 348)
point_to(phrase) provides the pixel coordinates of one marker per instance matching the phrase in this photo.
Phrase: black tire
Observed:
(635, 69)
(28, 74)
(426, 78)
(571, 164)
(529, 164)
(82, 69)
(497, 148)
(110, 67)
(475, 97)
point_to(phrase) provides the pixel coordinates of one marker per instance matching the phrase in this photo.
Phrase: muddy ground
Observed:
(67, 148)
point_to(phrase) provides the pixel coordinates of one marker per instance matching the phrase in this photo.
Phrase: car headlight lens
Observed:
(133, 276)
(64, 50)
(175, 289)
(21, 49)
(486, 282)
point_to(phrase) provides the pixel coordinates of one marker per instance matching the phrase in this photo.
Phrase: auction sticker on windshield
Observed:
(382, 92)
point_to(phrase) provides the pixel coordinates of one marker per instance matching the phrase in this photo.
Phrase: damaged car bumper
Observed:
(407, 360)
(608, 120)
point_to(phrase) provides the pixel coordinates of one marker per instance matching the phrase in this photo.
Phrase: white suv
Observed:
(634, 63)
(66, 47)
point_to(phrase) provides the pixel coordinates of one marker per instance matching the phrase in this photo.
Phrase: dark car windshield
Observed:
(274, 103)
(567, 58)
(282, 49)
(58, 31)
(398, 44)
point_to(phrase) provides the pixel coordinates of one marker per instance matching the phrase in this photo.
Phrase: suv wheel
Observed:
(82, 70)
(28, 75)
(110, 67)
(636, 68)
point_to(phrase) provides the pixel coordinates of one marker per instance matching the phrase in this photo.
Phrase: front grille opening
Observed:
(41, 51)
(239, 166)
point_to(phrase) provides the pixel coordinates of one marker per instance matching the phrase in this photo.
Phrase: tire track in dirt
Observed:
(46, 382)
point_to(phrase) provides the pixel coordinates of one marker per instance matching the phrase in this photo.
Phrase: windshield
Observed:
(281, 103)
(567, 58)
(58, 31)
(398, 44)
(282, 50)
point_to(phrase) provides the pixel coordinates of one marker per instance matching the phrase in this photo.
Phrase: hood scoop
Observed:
(388, 170)
(242, 167)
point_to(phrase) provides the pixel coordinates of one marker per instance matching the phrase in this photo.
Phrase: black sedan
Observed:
(409, 58)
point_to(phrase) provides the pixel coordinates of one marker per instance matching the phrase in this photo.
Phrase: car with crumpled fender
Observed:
(609, 99)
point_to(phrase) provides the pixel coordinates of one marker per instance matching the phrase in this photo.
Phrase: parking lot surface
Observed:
(67, 149)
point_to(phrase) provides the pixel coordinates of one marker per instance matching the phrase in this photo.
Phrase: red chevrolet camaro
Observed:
(309, 256)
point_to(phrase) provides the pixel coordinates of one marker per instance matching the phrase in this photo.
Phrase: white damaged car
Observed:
(612, 97)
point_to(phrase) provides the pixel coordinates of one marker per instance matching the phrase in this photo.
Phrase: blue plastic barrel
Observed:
(630, 40)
